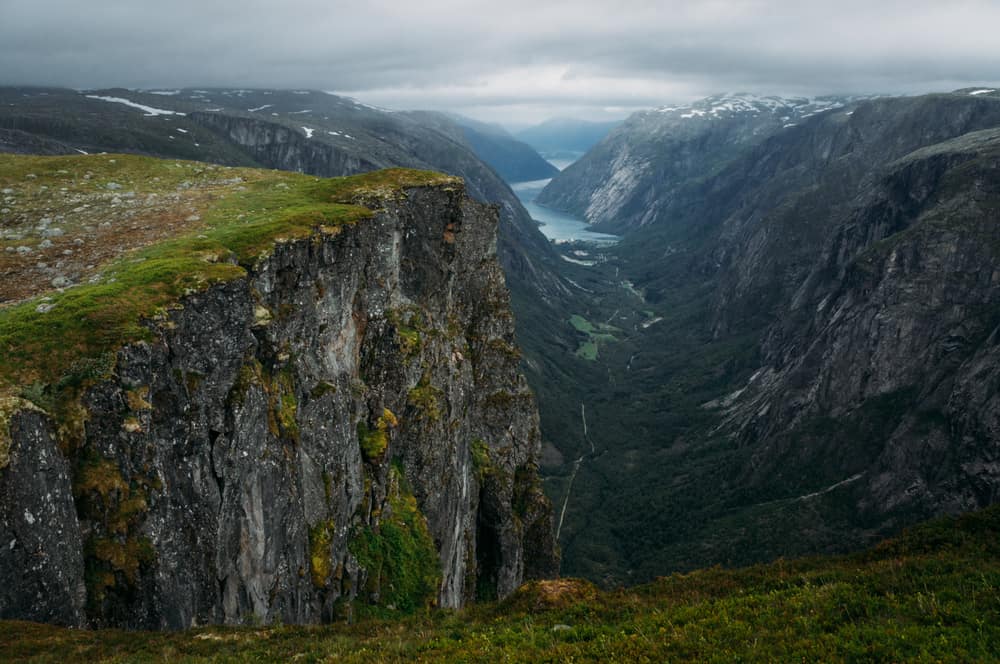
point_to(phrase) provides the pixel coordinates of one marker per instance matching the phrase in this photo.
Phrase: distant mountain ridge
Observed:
(565, 138)
(622, 182)
(514, 160)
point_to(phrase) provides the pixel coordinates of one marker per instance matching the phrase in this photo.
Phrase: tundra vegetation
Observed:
(930, 595)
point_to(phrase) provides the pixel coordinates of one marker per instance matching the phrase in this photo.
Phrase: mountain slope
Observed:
(623, 182)
(902, 304)
(512, 159)
(806, 361)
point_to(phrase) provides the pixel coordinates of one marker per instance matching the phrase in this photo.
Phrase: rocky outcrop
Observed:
(344, 427)
(42, 574)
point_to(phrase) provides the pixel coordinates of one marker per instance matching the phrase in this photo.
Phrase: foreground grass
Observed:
(931, 595)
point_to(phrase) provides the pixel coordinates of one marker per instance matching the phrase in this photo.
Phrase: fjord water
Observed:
(561, 159)
(557, 226)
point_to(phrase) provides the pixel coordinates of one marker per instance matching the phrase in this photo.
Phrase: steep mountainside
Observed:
(629, 177)
(256, 396)
(805, 357)
(902, 309)
(758, 224)
(512, 159)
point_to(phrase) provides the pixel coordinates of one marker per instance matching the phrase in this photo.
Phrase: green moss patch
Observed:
(320, 561)
(283, 405)
(411, 329)
(374, 442)
(426, 399)
(482, 460)
(398, 554)
(115, 509)
(9, 406)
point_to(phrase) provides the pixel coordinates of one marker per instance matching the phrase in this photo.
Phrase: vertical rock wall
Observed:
(344, 428)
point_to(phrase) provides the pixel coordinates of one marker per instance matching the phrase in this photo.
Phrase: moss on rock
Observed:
(374, 442)
(9, 406)
(115, 507)
(398, 553)
(425, 398)
(320, 560)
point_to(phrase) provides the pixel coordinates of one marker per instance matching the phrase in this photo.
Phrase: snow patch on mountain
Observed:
(730, 105)
(148, 110)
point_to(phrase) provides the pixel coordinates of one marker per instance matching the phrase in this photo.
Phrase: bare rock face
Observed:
(894, 336)
(41, 577)
(294, 445)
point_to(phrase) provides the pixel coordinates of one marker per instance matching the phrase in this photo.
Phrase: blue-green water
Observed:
(555, 225)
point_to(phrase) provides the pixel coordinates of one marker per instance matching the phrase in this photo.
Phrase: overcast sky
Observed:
(506, 60)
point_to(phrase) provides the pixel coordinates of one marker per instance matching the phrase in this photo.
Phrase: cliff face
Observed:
(279, 146)
(894, 336)
(344, 426)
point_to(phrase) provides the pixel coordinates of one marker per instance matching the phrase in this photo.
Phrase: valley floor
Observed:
(933, 594)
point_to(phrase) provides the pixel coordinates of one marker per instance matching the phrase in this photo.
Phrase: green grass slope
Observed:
(931, 595)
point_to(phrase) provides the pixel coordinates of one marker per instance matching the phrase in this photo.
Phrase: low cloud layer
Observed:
(515, 62)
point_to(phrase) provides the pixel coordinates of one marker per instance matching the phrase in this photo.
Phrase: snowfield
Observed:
(148, 110)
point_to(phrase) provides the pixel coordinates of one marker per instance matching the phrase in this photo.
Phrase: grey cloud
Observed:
(513, 60)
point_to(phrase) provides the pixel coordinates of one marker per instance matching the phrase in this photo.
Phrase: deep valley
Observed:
(756, 328)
